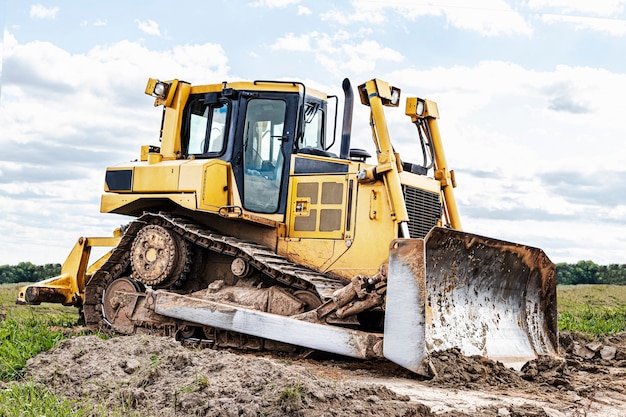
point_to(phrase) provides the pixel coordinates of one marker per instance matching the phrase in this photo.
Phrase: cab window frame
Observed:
(314, 115)
(209, 103)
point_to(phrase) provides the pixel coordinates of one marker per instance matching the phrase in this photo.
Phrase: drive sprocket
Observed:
(158, 256)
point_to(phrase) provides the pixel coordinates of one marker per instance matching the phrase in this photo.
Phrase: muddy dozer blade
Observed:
(481, 295)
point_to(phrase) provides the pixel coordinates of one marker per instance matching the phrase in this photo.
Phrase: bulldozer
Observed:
(249, 232)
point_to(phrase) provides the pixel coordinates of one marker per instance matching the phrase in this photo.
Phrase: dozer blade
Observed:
(481, 295)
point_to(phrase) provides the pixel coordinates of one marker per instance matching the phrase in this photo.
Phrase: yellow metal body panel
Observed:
(190, 177)
(258, 86)
(156, 178)
(172, 123)
(114, 203)
(369, 248)
(360, 245)
(215, 188)
(318, 206)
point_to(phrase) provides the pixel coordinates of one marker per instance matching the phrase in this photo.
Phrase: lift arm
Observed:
(68, 288)
(376, 94)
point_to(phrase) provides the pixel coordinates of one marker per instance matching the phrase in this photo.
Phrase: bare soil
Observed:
(158, 376)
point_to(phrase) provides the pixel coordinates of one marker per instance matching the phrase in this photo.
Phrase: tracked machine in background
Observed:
(250, 233)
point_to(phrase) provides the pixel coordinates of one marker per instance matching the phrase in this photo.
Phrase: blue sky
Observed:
(531, 96)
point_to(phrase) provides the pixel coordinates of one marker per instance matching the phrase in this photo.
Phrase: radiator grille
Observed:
(424, 208)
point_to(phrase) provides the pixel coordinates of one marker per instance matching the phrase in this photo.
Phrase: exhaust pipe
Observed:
(346, 128)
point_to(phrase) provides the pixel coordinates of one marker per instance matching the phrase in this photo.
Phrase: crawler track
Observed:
(275, 268)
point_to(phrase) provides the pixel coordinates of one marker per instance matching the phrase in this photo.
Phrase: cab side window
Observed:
(313, 129)
(206, 128)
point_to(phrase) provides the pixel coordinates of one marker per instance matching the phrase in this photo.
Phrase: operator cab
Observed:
(256, 131)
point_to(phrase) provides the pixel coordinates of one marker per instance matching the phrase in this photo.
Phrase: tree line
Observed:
(588, 272)
(582, 272)
(27, 272)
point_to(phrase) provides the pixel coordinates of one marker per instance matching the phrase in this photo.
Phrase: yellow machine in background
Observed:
(251, 233)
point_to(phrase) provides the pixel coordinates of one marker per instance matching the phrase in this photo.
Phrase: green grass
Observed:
(592, 309)
(29, 399)
(28, 330)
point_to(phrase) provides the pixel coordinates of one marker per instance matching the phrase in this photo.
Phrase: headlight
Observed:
(395, 96)
(160, 90)
(419, 108)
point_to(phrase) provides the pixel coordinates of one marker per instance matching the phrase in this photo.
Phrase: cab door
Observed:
(266, 133)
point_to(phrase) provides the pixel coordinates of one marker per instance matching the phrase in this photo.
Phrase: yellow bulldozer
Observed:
(249, 232)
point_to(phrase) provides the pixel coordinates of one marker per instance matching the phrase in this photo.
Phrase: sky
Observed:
(531, 96)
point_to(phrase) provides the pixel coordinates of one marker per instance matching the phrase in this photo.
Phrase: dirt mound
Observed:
(458, 371)
(158, 376)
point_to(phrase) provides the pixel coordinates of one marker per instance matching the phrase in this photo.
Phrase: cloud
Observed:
(96, 23)
(583, 188)
(149, 27)
(605, 16)
(291, 42)
(596, 8)
(86, 110)
(563, 98)
(614, 27)
(566, 104)
(341, 52)
(304, 11)
(37, 11)
(273, 4)
(63, 123)
(487, 17)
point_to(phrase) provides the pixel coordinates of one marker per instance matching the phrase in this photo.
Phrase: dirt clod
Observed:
(455, 370)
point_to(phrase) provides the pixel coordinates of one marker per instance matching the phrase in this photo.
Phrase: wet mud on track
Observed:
(158, 376)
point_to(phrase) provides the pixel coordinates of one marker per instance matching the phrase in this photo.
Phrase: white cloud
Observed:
(291, 42)
(98, 22)
(342, 52)
(488, 17)
(62, 123)
(149, 27)
(596, 8)
(273, 3)
(38, 11)
(304, 11)
(605, 16)
(615, 27)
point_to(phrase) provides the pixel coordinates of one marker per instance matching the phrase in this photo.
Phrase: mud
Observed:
(159, 376)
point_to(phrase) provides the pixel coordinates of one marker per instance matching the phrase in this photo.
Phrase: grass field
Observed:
(592, 309)
(26, 331)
